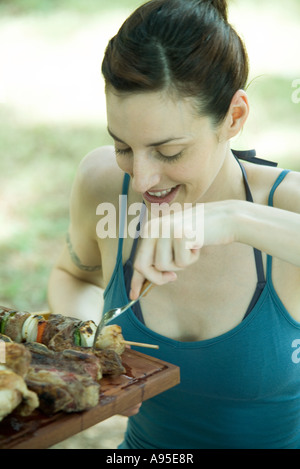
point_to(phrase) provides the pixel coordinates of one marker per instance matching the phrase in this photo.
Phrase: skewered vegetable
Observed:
(59, 332)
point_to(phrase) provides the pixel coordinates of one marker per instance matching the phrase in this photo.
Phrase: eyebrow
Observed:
(154, 144)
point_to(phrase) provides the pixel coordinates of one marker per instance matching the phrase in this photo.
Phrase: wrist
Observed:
(221, 222)
(231, 220)
(238, 215)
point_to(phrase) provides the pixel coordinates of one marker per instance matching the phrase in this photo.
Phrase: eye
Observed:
(122, 152)
(169, 158)
(161, 156)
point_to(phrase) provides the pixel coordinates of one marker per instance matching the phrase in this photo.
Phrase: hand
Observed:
(173, 242)
(168, 245)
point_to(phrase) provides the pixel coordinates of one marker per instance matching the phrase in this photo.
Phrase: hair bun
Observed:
(221, 6)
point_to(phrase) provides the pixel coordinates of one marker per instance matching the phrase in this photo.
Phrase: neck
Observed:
(228, 183)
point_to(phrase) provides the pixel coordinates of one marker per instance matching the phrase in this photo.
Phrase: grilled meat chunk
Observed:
(59, 331)
(18, 358)
(73, 361)
(110, 362)
(14, 394)
(15, 325)
(60, 390)
(64, 381)
(111, 338)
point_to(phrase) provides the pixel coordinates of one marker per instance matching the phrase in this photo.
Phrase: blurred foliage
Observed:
(21, 7)
(291, 7)
(36, 178)
(272, 111)
(41, 7)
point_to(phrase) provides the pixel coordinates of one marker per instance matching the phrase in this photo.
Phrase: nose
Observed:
(145, 173)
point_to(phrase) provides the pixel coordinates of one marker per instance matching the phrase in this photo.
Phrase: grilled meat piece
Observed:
(4, 315)
(18, 358)
(111, 338)
(39, 350)
(14, 394)
(59, 331)
(73, 361)
(110, 362)
(15, 324)
(3, 311)
(60, 390)
(64, 381)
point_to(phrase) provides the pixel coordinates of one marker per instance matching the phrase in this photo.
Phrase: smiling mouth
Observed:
(161, 193)
(163, 196)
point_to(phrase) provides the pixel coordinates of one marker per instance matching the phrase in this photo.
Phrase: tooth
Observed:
(159, 194)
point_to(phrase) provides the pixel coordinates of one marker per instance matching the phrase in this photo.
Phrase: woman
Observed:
(225, 308)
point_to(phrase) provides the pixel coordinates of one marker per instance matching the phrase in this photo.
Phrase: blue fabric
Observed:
(238, 390)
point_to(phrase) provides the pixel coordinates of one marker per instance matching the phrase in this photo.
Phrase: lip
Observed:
(167, 199)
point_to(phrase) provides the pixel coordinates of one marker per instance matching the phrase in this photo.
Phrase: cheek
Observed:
(188, 171)
(124, 164)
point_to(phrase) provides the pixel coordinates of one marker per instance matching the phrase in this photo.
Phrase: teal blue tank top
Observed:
(239, 390)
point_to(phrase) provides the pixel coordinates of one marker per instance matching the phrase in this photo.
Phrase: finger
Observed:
(144, 260)
(163, 260)
(153, 275)
(137, 282)
(183, 256)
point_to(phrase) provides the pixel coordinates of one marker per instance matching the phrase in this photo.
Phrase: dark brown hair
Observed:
(186, 46)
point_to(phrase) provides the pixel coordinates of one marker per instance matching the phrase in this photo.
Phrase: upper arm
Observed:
(81, 255)
(287, 195)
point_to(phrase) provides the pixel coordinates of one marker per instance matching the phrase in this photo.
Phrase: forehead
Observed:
(151, 113)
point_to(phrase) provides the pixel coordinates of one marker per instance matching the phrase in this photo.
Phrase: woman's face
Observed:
(171, 154)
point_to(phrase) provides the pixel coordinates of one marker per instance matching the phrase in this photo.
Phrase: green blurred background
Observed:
(52, 112)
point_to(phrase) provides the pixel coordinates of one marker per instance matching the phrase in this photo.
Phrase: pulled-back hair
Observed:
(186, 46)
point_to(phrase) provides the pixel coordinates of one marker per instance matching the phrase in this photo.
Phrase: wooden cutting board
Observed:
(145, 377)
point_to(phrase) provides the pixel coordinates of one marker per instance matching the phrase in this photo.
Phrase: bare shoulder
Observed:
(99, 176)
(287, 195)
(263, 178)
(98, 180)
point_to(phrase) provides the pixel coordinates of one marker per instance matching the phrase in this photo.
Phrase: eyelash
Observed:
(167, 159)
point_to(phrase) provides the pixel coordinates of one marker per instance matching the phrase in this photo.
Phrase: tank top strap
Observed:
(278, 181)
(123, 207)
(250, 155)
(137, 232)
(122, 221)
(128, 266)
(275, 185)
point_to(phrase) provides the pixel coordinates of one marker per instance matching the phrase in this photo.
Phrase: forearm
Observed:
(269, 229)
(71, 296)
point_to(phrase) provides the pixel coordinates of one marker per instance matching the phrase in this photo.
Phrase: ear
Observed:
(237, 113)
